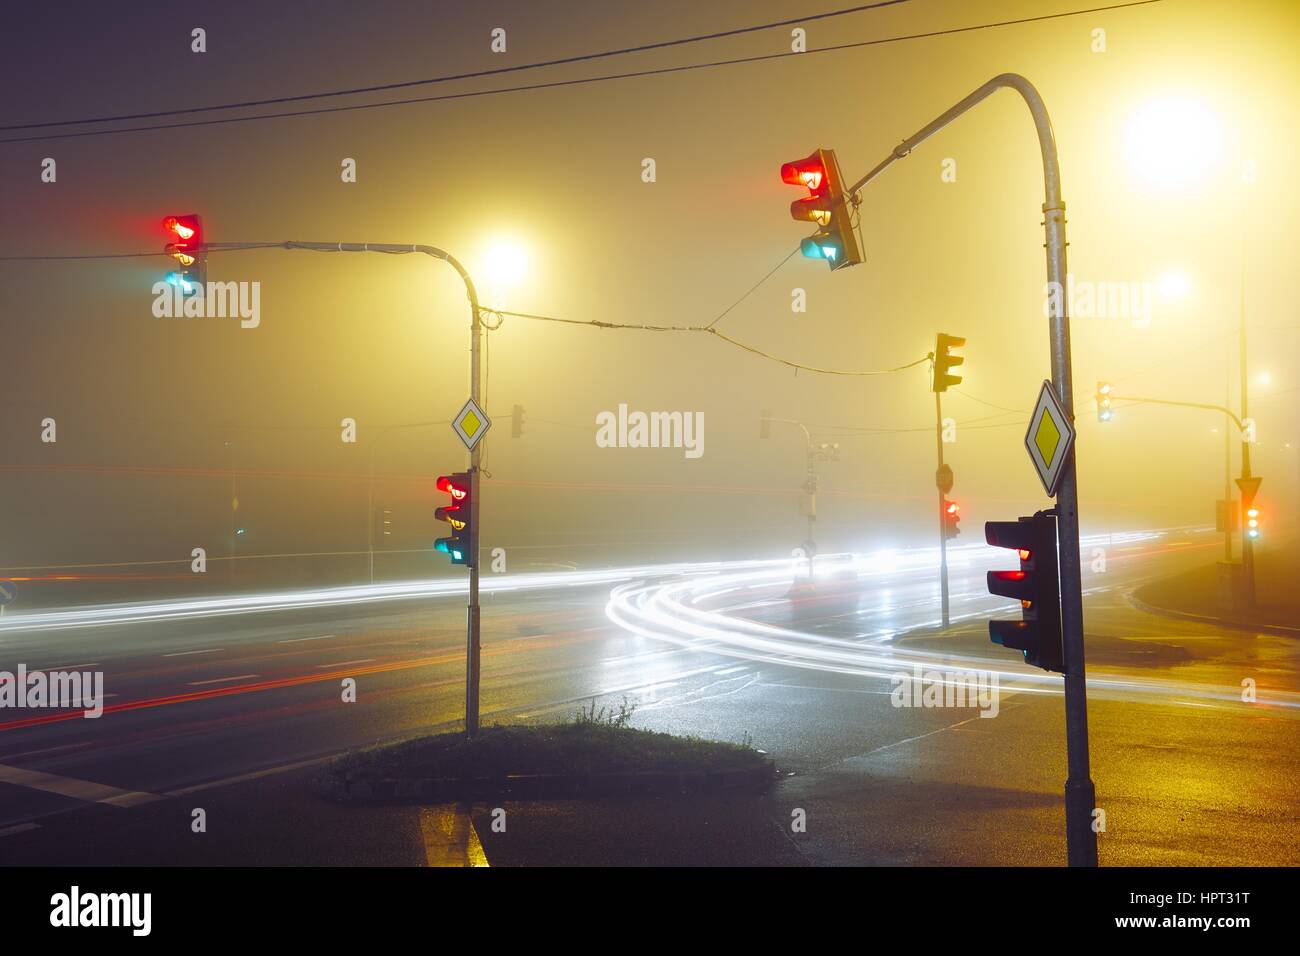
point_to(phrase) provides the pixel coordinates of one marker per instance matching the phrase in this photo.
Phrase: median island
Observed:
(594, 755)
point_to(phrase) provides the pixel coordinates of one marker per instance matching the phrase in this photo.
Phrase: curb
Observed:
(1279, 629)
(541, 786)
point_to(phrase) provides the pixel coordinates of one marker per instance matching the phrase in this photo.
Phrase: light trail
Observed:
(699, 613)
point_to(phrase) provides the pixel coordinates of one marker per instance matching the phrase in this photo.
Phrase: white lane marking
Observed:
(210, 650)
(19, 828)
(245, 777)
(72, 787)
(65, 667)
(219, 680)
(732, 670)
(297, 640)
(368, 660)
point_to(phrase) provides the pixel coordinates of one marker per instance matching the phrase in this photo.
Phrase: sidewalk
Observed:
(1194, 594)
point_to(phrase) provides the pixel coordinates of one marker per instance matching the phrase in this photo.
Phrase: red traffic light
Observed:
(810, 172)
(449, 484)
(187, 232)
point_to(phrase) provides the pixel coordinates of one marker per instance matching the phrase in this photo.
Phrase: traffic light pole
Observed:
(472, 641)
(1247, 545)
(943, 520)
(1080, 796)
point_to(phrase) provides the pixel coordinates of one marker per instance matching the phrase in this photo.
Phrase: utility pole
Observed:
(1080, 795)
(942, 476)
(1248, 484)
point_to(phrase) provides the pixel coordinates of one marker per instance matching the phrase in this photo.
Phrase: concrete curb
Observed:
(1279, 629)
(546, 786)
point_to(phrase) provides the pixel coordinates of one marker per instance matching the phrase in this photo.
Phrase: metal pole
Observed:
(472, 642)
(943, 529)
(1247, 544)
(1080, 796)
(1227, 476)
(370, 513)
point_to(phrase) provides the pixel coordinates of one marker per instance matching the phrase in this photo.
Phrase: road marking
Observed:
(298, 640)
(254, 775)
(732, 670)
(368, 660)
(65, 667)
(72, 787)
(449, 836)
(220, 680)
(210, 650)
(19, 828)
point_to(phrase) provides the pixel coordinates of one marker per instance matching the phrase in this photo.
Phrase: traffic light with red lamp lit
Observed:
(187, 247)
(951, 518)
(1037, 635)
(460, 545)
(827, 206)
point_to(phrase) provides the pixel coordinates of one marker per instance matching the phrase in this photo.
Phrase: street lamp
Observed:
(1172, 141)
(505, 265)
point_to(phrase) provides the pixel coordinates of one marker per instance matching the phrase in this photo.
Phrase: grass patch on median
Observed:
(592, 746)
(545, 749)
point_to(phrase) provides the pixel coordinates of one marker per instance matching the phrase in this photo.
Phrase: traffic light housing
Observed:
(1104, 412)
(945, 361)
(1252, 523)
(827, 206)
(187, 246)
(462, 544)
(1036, 586)
(951, 518)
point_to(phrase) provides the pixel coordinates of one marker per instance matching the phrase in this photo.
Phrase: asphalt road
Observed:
(226, 706)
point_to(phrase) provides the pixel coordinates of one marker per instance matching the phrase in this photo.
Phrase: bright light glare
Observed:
(506, 264)
(1173, 141)
(1173, 286)
(1264, 378)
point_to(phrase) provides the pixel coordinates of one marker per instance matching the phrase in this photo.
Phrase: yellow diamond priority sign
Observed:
(1049, 439)
(471, 423)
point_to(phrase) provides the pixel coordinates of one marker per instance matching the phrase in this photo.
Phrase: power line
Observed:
(581, 80)
(708, 330)
(478, 74)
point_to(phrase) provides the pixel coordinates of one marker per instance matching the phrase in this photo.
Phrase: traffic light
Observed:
(945, 361)
(517, 421)
(1252, 523)
(951, 518)
(827, 206)
(460, 545)
(1038, 633)
(187, 247)
(1104, 413)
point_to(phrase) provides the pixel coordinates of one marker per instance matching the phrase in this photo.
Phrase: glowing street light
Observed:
(1173, 141)
(506, 264)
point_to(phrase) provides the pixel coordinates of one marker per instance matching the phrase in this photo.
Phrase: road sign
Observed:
(471, 424)
(1049, 439)
(1249, 488)
(943, 478)
(8, 591)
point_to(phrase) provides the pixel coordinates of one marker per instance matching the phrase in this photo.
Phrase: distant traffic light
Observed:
(827, 206)
(1104, 413)
(1252, 523)
(945, 361)
(460, 544)
(951, 518)
(517, 421)
(1038, 633)
(186, 246)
